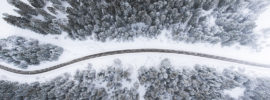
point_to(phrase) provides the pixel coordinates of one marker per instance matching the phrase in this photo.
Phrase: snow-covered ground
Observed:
(235, 93)
(263, 28)
(75, 49)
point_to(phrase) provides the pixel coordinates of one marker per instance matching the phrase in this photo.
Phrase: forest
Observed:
(213, 21)
(164, 81)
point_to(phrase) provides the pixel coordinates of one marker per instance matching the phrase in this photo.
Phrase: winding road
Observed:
(9, 69)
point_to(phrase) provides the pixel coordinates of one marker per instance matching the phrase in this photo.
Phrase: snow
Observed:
(263, 19)
(40, 17)
(246, 11)
(134, 62)
(142, 91)
(263, 28)
(59, 15)
(212, 21)
(235, 93)
(75, 49)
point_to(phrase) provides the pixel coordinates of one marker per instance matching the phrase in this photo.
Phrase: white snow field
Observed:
(75, 49)
(235, 93)
(263, 28)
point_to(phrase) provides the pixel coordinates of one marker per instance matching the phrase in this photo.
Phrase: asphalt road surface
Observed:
(132, 51)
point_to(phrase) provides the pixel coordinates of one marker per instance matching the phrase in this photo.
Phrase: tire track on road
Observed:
(126, 51)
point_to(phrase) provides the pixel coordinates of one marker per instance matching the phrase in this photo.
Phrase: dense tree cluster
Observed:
(214, 21)
(23, 52)
(161, 82)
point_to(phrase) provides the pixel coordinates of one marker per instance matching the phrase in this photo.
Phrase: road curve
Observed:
(133, 51)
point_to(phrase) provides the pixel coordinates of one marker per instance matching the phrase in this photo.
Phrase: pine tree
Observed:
(37, 3)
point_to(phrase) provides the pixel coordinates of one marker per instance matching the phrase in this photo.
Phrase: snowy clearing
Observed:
(235, 93)
(135, 61)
